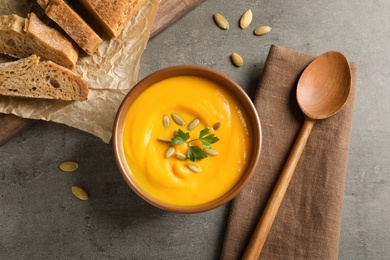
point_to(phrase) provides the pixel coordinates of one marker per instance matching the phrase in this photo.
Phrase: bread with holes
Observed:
(21, 37)
(32, 78)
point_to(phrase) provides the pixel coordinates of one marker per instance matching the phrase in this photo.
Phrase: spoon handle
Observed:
(264, 226)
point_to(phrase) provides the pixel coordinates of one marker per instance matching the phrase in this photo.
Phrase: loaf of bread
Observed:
(112, 15)
(30, 77)
(72, 23)
(22, 37)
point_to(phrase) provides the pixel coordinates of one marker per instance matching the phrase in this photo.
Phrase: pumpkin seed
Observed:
(246, 19)
(261, 30)
(210, 151)
(68, 166)
(180, 156)
(178, 120)
(79, 193)
(221, 21)
(170, 151)
(193, 168)
(194, 123)
(164, 140)
(217, 125)
(237, 60)
(166, 121)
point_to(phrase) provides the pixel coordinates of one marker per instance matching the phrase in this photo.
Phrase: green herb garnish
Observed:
(195, 153)
(180, 137)
(207, 140)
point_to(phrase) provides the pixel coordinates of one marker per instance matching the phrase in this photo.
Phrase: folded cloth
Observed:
(307, 225)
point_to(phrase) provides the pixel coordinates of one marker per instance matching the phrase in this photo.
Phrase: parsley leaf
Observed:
(204, 132)
(196, 153)
(180, 137)
(209, 139)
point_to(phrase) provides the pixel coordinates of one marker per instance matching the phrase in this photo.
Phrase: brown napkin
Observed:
(307, 225)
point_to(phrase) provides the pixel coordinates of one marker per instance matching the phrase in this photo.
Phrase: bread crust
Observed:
(22, 37)
(29, 77)
(113, 15)
(43, 3)
(73, 24)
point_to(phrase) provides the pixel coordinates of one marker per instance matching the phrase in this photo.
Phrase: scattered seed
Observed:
(68, 166)
(221, 21)
(79, 193)
(164, 140)
(194, 123)
(246, 19)
(237, 59)
(178, 120)
(193, 168)
(166, 121)
(170, 151)
(261, 30)
(217, 125)
(180, 156)
(210, 151)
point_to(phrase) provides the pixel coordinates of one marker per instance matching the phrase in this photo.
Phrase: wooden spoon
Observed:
(322, 91)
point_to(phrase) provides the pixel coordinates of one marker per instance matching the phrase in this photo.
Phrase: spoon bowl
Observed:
(324, 86)
(322, 91)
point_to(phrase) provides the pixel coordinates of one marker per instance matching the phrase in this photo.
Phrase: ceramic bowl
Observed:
(198, 71)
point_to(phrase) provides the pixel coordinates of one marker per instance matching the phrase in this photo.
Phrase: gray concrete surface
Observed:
(39, 218)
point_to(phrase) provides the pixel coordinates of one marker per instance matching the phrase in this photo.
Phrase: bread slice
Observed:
(43, 3)
(112, 15)
(29, 77)
(72, 23)
(22, 37)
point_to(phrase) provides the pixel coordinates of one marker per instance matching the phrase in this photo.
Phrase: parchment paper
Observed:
(110, 73)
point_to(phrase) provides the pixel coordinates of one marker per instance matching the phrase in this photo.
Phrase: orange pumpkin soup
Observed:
(174, 178)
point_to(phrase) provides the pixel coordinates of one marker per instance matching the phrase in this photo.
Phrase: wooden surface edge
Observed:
(177, 7)
(12, 125)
